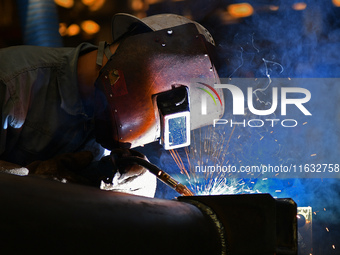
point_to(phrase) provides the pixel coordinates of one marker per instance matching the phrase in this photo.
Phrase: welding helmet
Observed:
(158, 85)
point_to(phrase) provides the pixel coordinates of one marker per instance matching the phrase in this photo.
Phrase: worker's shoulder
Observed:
(16, 60)
(30, 53)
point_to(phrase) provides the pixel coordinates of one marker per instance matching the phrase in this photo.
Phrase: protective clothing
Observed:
(41, 111)
(130, 178)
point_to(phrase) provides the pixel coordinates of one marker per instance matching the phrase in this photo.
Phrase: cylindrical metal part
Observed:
(253, 224)
(49, 217)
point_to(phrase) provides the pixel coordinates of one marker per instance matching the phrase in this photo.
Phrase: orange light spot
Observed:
(273, 8)
(90, 27)
(299, 6)
(241, 10)
(336, 3)
(73, 30)
(137, 5)
(62, 29)
(65, 3)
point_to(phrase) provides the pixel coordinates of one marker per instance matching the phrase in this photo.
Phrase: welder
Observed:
(60, 107)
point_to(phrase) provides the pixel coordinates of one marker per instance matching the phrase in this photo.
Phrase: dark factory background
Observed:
(300, 39)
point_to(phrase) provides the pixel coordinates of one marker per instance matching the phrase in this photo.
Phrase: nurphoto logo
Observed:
(238, 106)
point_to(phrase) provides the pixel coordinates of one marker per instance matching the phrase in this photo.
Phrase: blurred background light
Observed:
(299, 6)
(73, 30)
(274, 7)
(154, 1)
(65, 3)
(241, 10)
(137, 5)
(62, 29)
(88, 2)
(90, 27)
(94, 5)
(336, 3)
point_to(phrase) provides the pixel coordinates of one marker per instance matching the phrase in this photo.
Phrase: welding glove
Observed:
(63, 167)
(10, 168)
(130, 177)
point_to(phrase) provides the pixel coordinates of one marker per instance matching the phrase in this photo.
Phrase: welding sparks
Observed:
(218, 186)
(212, 151)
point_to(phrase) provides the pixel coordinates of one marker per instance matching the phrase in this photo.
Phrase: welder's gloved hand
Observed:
(130, 178)
(11, 168)
(63, 167)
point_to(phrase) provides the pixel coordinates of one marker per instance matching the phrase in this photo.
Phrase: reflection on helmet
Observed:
(151, 88)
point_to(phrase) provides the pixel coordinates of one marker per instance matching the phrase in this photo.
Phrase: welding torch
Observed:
(160, 174)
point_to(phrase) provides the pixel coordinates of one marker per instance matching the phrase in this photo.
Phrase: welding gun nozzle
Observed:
(163, 176)
(179, 187)
(183, 190)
